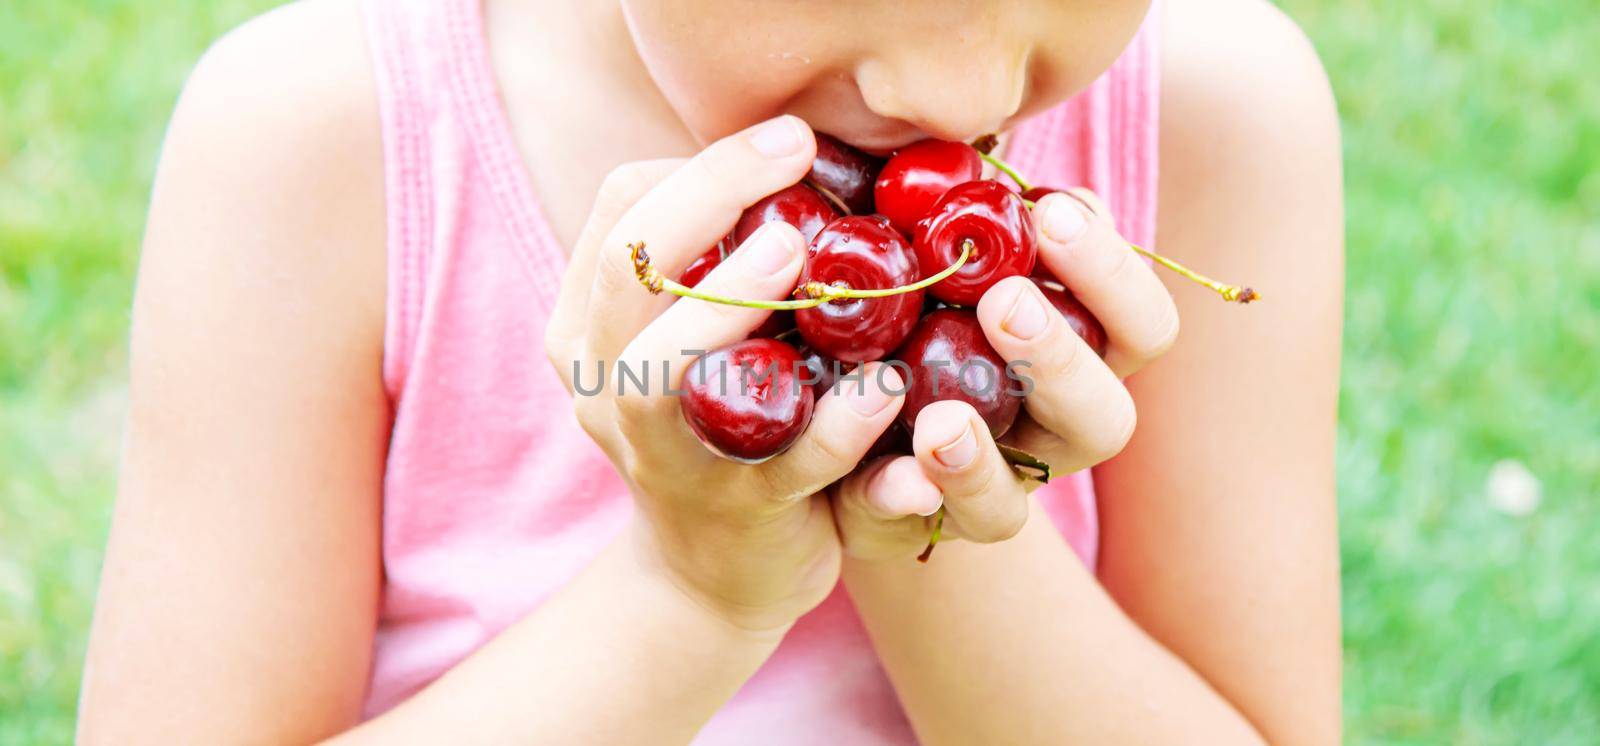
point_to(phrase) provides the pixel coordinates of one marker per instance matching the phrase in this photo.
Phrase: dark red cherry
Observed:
(918, 175)
(893, 442)
(776, 323)
(949, 358)
(1037, 193)
(847, 173)
(863, 253)
(821, 370)
(798, 205)
(1083, 323)
(746, 401)
(1000, 228)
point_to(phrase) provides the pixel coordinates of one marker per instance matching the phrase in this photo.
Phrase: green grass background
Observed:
(1473, 335)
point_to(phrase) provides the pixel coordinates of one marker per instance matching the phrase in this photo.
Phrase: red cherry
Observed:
(894, 441)
(863, 253)
(745, 401)
(845, 172)
(822, 371)
(798, 205)
(918, 175)
(1083, 323)
(1000, 228)
(950, 359)
(1037, 193)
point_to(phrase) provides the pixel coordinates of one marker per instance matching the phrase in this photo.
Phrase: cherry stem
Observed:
(938, 528)
(1230, 293)
(827, 194)
(1006, 169)
(810, 294)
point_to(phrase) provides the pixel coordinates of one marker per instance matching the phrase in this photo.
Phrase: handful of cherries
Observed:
(900, 252)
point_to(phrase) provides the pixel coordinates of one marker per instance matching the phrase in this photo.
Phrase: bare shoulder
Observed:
(301, 67)
(1245, 100)
(264, 247)
(270, 185)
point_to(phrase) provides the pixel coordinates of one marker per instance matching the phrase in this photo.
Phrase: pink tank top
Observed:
(493, 496)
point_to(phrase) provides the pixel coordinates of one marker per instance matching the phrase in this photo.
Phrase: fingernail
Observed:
(770, 250)
(868, 398)
(776, 138)
(1027, 317)
(1064, 219)
(957, 454)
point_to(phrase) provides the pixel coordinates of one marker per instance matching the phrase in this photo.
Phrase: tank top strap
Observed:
(1106, 138)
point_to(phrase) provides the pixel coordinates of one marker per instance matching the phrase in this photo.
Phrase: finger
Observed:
(624, 186)
(885, 511)
(983, 497)
(765, 267)
(1050, 448)
(1069, 389)
(848, 419)
(687, 213)
(1081, 246)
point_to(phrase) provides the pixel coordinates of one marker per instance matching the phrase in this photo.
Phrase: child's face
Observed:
(876, 73)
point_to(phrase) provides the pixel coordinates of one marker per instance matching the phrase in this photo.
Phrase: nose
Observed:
(957, 96)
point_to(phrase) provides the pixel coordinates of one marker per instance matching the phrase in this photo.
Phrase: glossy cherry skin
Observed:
(746, 401)
(918, 175)
(866, 254)
(1083, 323)
(950, 359)
(798, 205)
(822, 371)
(845, 172)
(1000, 228)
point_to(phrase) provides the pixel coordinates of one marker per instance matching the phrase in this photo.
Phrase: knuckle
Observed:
(591, 416)
(1007, 522)
(615, 273)
(1164, 332)
(623, 186)
(1068, 360)
(781, 482)
(1109, 440)
(558, 346)
(633, 410)
(721, 169)
(1120, 265)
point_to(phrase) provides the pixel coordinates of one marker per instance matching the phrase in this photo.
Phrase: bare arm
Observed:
(1219, 543)
(240, 589)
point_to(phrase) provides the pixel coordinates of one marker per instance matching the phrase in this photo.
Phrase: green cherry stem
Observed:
(1230, 293)
(810, 294)
(1006, 169)
(938, 528)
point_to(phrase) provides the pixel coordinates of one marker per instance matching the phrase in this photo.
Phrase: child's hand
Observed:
(1078, 412)
(753, 543)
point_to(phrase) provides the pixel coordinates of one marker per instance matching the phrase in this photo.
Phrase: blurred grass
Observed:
(1473, 336)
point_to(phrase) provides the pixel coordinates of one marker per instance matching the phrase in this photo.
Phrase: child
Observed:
(359, 500)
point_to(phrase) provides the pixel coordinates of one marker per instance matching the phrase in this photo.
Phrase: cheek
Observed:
(1089, 41)
(717, 84)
